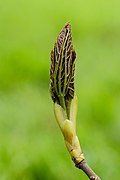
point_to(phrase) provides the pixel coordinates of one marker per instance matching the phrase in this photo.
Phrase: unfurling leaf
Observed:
(62, 69)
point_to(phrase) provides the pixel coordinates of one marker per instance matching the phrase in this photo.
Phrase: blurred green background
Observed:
(31, 144)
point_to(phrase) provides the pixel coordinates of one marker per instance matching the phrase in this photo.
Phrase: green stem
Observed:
(62, 101)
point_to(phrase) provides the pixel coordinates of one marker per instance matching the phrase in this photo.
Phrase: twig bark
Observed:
(88, 171)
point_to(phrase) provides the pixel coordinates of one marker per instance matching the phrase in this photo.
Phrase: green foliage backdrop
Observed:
(31, 145)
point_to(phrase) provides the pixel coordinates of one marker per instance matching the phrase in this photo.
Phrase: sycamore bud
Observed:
(62, 91)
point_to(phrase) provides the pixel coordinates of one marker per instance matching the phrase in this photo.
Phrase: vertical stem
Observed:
(62, 101)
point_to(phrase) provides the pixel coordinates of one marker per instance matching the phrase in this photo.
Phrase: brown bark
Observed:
(88, 171)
